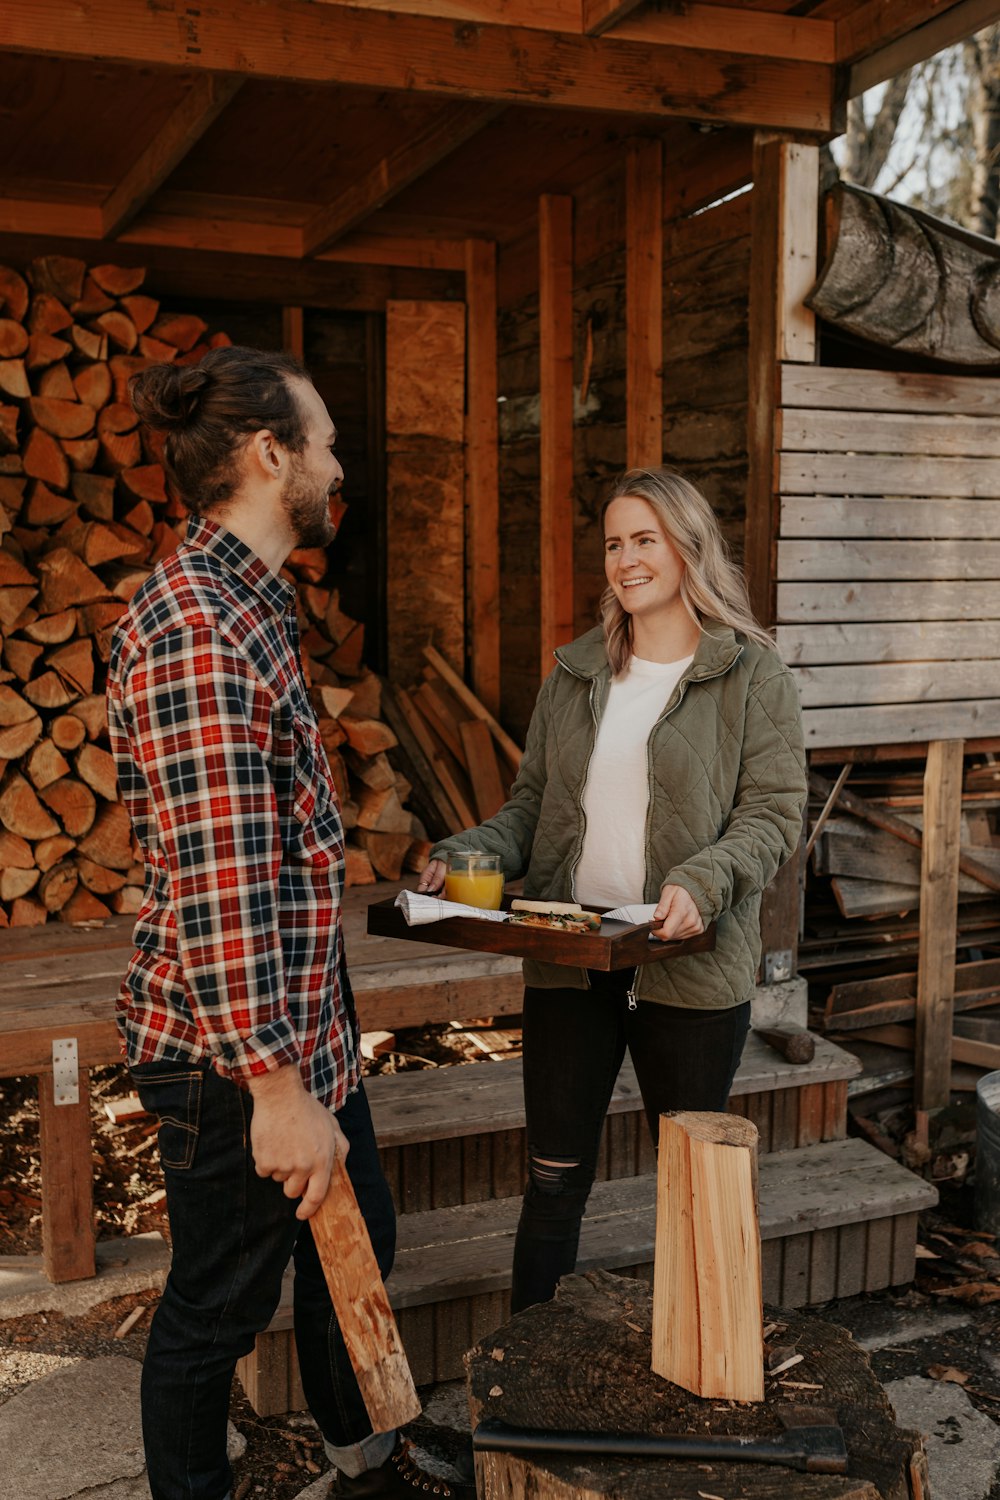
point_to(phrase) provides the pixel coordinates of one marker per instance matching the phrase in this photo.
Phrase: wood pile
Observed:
(85, 514)
(862, 923)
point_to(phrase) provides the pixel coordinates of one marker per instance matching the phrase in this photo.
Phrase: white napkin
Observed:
(634, 914)
(418, 909)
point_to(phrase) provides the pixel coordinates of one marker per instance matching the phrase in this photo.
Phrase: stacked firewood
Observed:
(85, 514)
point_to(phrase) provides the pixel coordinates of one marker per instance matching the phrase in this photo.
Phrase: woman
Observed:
(664, 763)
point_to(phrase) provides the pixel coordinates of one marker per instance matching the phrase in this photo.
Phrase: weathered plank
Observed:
(812, 431)
(897, 723)
(844, 474)
(861, 561)
(644, 302)
(482, 479)
(938, 915)
(950, 640)
(838, 516)
(900, 682)
(888, 390)
(556, 361)
(935, 600)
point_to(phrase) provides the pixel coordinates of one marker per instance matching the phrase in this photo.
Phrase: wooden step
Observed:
(835, 1220)
(456, 1135)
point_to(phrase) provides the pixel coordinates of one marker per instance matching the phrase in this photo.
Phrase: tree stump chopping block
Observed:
(582, 1364)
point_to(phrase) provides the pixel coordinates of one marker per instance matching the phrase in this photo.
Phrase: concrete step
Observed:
(836, 1219)
(456, 1135)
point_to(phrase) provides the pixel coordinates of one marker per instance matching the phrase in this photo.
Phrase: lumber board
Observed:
(555, 521)
(910, 43)
(951, 641)
(857, 1003)
(864, 474)
(68, 1235)
(896, 723)
(936, 599)
(939, 912)
(644, 303)
(863, 561)
(889, 391)
(922, 436)
(482, 473)
(329, 44)
(797, 247)
(907, 518)
(896, 682)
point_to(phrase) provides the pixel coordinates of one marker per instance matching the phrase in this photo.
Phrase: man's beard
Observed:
(307, 507)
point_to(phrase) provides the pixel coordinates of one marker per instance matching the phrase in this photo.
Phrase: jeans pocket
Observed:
(174, 1094)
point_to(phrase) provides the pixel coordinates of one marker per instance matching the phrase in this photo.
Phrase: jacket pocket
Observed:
(173, 1093)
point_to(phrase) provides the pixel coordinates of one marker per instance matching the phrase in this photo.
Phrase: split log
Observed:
(109, 842)
(13, 380)
(46, 508)
(367, 736)
(358, 868)
(903, 279)
(707, 1300)
(46, 764)
(56, 383)
(382, 812)
(387, 851)
(15, 882)
(581, 1363)
(67, 731)
(97, 768)
(83, 906)
(57, 886)
(73, 803)
(49, 852)
(66, 581)
(61, 419)
(118, 281)
(22, 813)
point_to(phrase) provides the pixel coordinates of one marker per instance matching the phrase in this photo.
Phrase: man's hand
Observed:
(432, 879)
(294, 1138)
(676, 915)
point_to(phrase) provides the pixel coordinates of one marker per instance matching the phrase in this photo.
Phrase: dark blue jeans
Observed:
(233, 1235)
(574, 1044)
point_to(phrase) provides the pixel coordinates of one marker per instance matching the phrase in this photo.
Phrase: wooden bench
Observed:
(59, 982)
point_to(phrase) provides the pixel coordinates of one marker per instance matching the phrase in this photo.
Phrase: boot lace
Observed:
(411, 1472)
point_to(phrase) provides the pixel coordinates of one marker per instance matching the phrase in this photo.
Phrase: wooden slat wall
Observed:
(889, 554)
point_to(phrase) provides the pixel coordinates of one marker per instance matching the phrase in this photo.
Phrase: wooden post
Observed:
(361, 1303)
(555, 295)
(68, 1239)
(293, 331)
(938, 922)
(644, 304)
(784, 213)
(481, 472)
(707, 1303)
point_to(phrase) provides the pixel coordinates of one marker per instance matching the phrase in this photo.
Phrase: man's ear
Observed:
(266, 453)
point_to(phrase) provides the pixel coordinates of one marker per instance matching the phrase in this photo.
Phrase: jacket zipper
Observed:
(583, 787)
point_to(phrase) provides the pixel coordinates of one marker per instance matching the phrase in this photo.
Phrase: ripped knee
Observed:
(552, 1175)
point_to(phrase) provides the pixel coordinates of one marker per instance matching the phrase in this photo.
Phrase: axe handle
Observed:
(362, 1306)
(795, 1044)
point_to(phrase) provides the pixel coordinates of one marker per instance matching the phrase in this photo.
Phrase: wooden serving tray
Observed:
(618, 945)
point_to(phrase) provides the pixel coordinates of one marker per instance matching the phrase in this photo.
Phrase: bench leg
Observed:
(68, 1240)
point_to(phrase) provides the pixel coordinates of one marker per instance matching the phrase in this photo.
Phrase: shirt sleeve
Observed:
(201, 733)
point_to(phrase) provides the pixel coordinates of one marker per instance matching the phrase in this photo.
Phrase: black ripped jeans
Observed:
(574, 1044)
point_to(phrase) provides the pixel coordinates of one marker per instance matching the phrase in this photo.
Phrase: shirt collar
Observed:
(240, 559)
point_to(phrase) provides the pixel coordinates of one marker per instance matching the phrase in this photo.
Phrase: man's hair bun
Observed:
(167, 397)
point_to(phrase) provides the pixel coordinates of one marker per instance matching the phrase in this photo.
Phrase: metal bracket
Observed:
(66, 1071)
(777, 965)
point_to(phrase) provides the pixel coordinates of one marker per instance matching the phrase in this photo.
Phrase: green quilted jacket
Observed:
(727, 789)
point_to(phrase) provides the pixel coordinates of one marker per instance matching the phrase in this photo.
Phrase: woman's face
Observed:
(641, 564)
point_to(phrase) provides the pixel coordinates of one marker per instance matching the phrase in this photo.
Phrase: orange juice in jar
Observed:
(474, 879)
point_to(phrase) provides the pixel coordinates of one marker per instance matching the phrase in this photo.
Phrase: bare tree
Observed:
(981, 54)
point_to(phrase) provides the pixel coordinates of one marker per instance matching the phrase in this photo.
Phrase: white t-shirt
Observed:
(612, 868)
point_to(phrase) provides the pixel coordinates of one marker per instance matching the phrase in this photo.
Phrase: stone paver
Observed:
(134, 1264)
(963, 1445)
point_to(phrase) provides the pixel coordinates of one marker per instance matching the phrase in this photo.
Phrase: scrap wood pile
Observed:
(862, 927)
(85, 514)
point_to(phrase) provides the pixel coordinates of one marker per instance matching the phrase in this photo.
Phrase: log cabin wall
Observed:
(706, 302)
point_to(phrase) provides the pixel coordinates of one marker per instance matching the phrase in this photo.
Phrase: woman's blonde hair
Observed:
(712, 587)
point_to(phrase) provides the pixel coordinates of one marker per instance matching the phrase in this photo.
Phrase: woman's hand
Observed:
(676, 915)
(432, 880)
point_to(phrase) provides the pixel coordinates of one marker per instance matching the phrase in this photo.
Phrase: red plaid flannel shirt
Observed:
(238, 953)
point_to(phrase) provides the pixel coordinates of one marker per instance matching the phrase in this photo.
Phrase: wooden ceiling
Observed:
(391, 131)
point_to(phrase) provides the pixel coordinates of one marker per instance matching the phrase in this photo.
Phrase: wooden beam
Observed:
(482, 472)
(448, 130)
(555, 300)
(644, 304)
(202, 104)
(940, 855)
(598, 16)
(700, 169)
(883, 37)
(540, 15)
(293, 325)
(296, 40)
(35, 216)
(727, 28)
(784, 206)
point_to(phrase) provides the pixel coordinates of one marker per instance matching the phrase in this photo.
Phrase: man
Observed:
(236, 1011)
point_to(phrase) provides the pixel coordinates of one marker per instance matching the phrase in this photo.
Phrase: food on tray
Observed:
(560, 916)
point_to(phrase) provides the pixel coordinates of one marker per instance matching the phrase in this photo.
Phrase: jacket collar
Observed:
(717, 650)
(209, 536)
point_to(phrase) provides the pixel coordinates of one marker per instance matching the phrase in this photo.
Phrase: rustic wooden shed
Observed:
(524, 246)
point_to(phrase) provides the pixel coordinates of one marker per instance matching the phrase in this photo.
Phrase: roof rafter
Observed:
(753, 33)
(449, 129)
(293, 39)
(598, 16)
(203, 102)
(882, 37)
